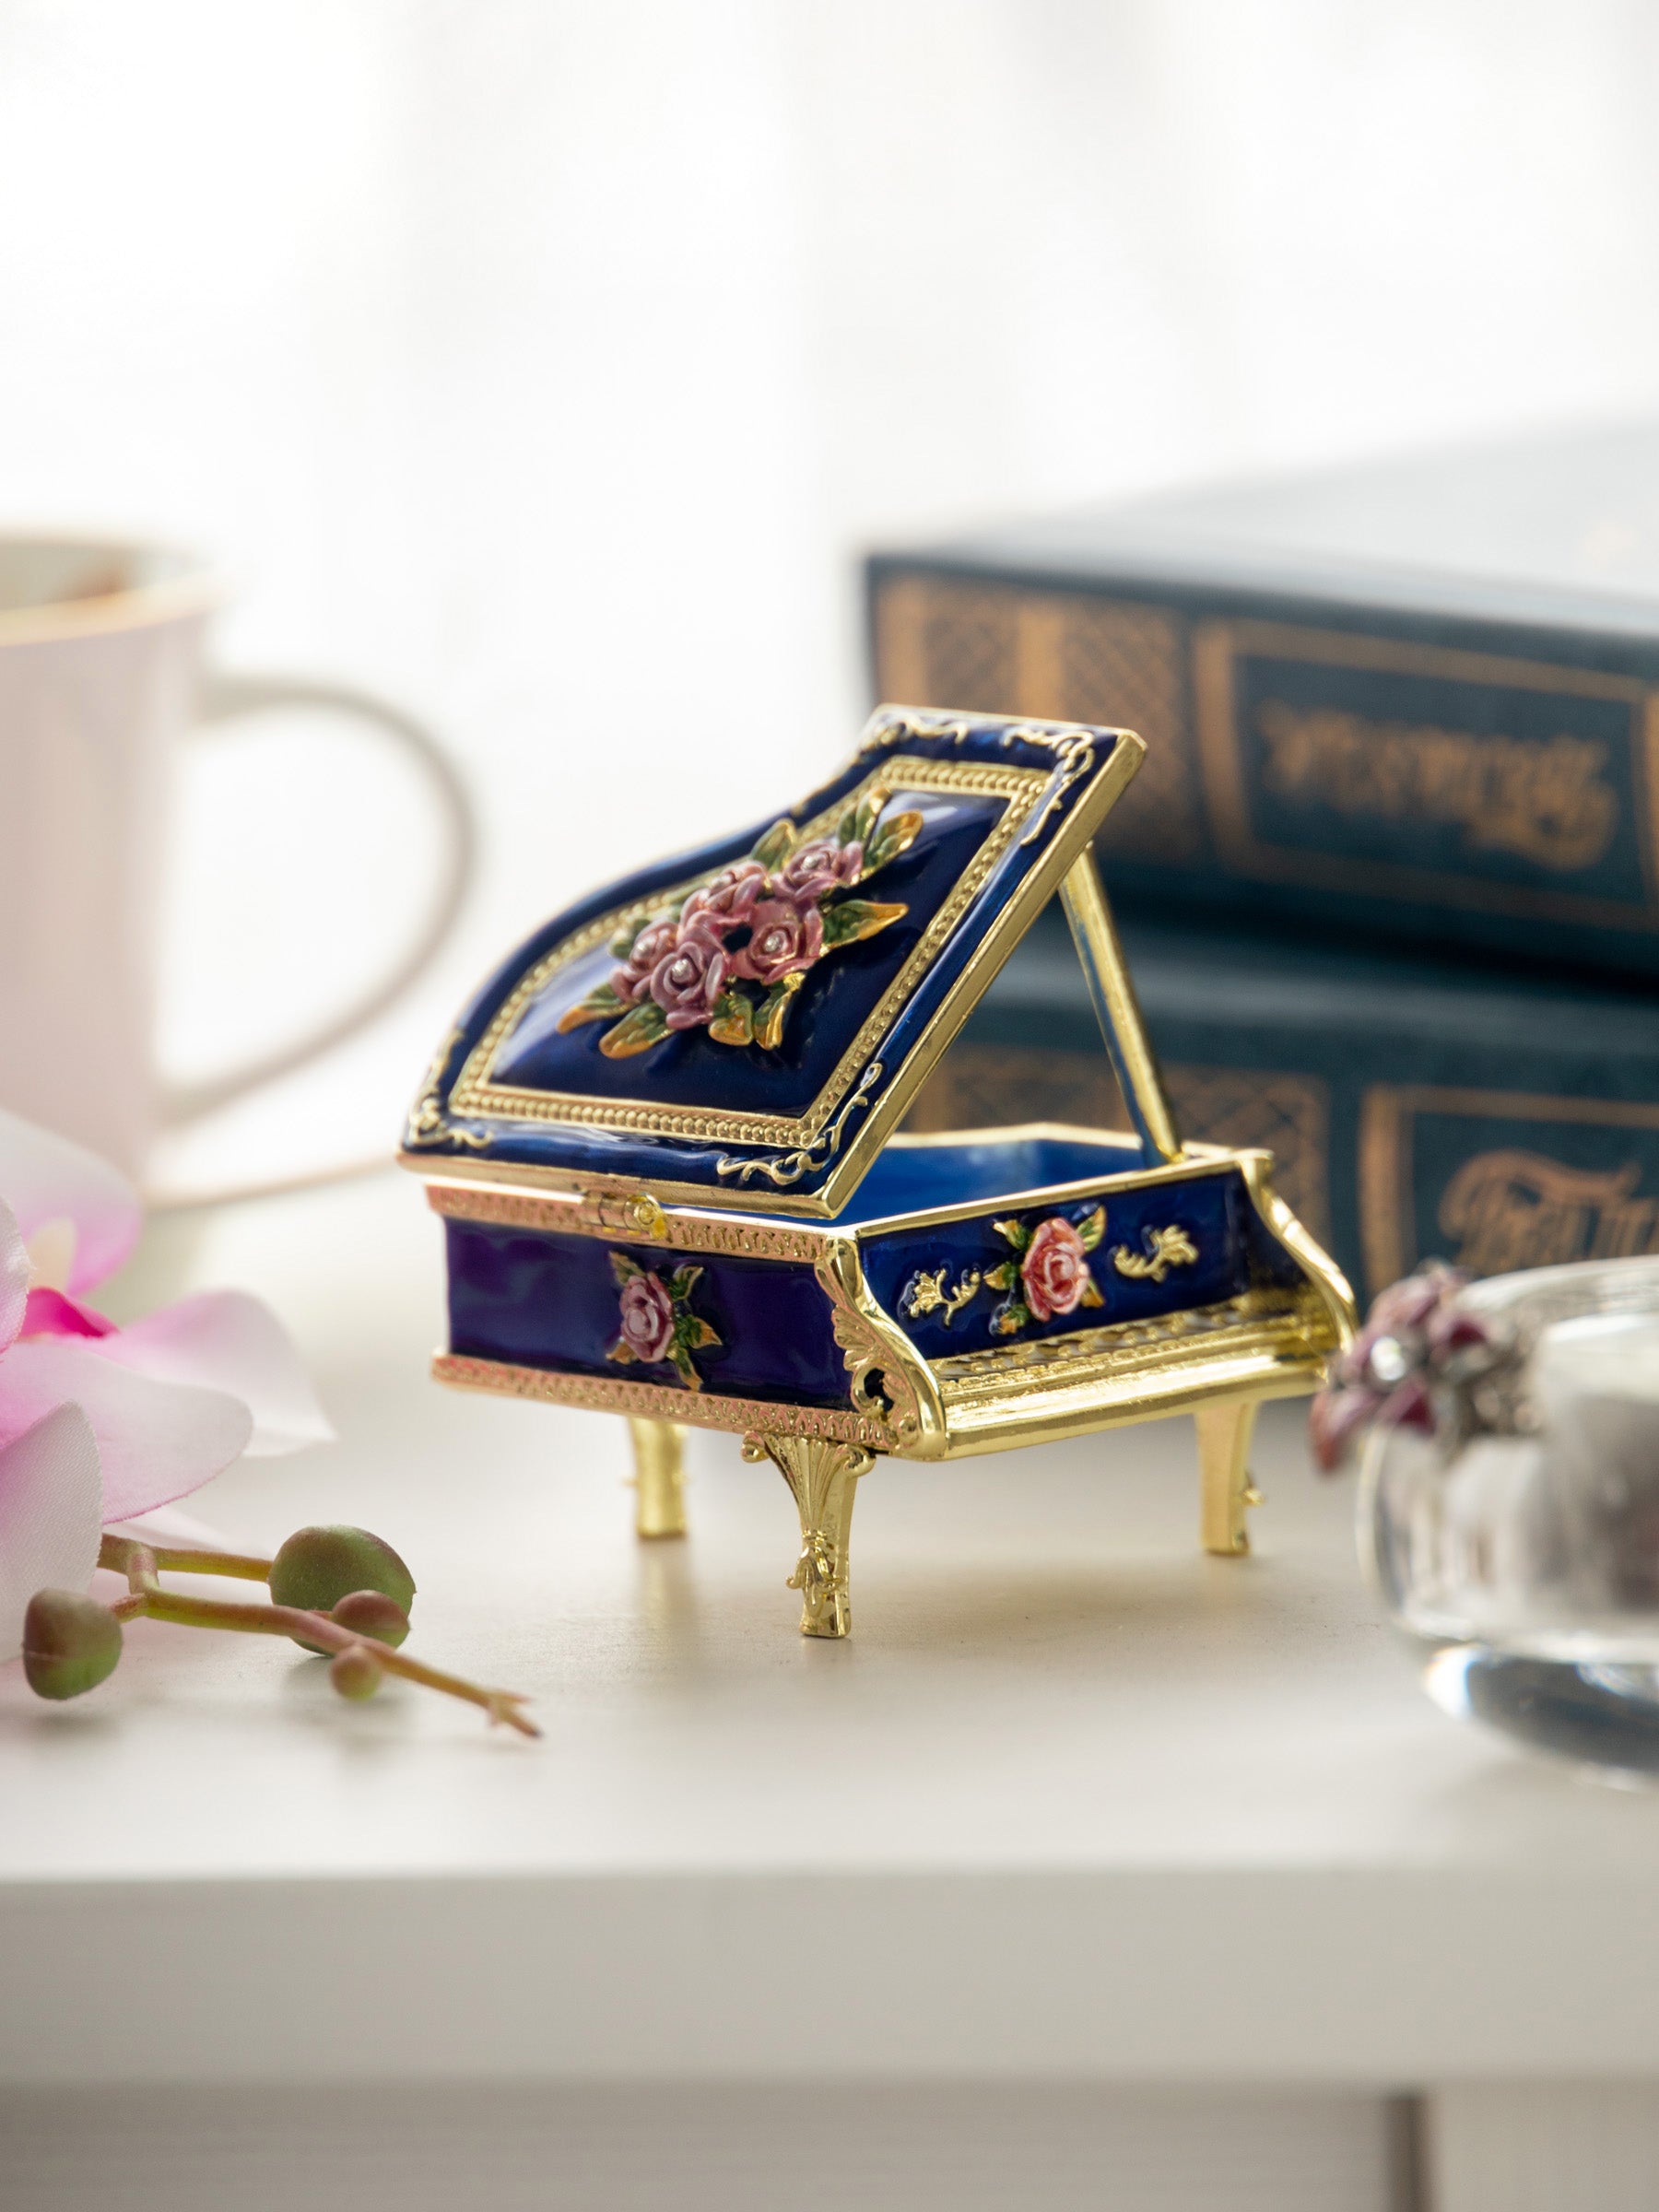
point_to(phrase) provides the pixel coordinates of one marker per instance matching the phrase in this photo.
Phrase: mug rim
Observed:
(195, 587)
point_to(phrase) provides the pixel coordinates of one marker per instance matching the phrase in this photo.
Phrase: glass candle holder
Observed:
(1510, 1525)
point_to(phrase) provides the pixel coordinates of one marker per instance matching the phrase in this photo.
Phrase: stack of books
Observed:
(1390, 873)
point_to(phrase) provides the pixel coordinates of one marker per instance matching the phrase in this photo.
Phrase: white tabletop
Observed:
(1073, 1799)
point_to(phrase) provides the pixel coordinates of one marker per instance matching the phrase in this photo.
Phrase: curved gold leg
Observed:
(659, 1449)
(1225, 1490)
(822, 1477)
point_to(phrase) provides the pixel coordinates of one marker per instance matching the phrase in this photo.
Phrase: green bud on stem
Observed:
(317, 1566)
(355, 1672)
(71, 1644)
(371, 1613)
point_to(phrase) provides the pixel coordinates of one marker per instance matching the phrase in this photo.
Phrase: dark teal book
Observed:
(1417, 1107)
(1421, 699)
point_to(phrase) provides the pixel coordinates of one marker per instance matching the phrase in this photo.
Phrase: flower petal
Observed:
(46, 1181)
(157, 1440)
(51, 1511)
(226, 1341)
(13, 1276)
(56, 1313)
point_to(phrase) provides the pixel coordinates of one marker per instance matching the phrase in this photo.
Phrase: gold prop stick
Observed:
(1094, 933)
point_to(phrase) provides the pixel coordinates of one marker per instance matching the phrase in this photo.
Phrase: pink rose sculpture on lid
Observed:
(766, 921)
(785, 939)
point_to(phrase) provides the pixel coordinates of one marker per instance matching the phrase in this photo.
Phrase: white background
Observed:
(550, 365)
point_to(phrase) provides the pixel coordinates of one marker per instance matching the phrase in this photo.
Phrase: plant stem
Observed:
(243, 1565)
(146, 1599)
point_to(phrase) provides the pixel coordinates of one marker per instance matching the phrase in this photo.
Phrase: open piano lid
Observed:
(788, 989)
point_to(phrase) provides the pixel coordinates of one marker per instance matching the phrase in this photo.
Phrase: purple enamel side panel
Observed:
(554, 1301)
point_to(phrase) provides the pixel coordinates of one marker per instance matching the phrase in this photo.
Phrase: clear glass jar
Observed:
(1512, 1526)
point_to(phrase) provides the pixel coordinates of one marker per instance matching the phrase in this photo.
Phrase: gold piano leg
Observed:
(822, 1477)
(659, 1449)
(1226, 1489)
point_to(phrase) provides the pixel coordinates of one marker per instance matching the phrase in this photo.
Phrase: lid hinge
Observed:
(636, 1211)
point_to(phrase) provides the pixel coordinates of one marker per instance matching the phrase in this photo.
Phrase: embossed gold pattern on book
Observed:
(1016, 651)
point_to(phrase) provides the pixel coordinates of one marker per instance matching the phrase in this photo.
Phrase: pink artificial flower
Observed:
(813, 871)
(101, 1423)
(783, 940)
(647, 1317)
(1414, 1336)
(654, 942)
(689, 978)
(1055, 1269)
(726, 900)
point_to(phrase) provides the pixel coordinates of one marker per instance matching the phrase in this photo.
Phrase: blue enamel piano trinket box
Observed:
(663, 1141)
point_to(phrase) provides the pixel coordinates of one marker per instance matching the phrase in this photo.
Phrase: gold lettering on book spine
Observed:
(1511, 1209)
(1544, 799)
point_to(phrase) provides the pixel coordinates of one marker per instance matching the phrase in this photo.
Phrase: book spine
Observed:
(1475, 784)
(1386, 1175)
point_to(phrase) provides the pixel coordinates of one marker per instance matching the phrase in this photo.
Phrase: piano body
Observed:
(664, 1143)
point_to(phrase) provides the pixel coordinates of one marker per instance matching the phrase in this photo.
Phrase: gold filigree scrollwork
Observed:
(1072, 745)
(890, 1383)
(878, 1389)
(928, 1294)
(1165, 1248)
(784, 1168)
(427, 1124)
(822, 1477)
(1075, 758)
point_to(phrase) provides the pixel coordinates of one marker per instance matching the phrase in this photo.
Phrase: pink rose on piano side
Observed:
(100, 1422)
(1055, 1269)
(647, 1317)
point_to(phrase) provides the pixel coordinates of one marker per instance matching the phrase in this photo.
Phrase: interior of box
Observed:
(915, 1174)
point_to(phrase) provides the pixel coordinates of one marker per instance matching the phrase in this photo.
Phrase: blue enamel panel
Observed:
(1212, 1210)
(836, 997)
(548, 1300)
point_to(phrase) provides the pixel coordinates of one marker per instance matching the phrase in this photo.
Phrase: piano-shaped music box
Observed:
(663, 1143)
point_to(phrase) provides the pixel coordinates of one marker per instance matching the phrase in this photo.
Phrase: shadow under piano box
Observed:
(1417, 1106)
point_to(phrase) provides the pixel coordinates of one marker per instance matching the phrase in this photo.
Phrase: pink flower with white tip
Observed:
(101, 1423)
(1420, 1358)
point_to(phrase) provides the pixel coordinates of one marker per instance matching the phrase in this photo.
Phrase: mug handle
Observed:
(225, 698)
